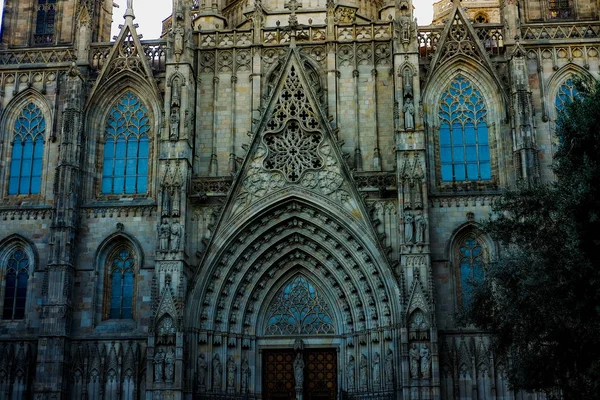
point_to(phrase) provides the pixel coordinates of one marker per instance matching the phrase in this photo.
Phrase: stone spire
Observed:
(129, 11)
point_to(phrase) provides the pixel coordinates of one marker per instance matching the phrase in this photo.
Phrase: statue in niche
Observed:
(159, 360)
(351, 372)
(409, 115)
(376, 370)
(166, 202)
(179, 33)
(415, 361)
(299, 371)
(425, 361)
(176, 202)
(175, 236)
(164, 233)
(421, 224)
(230, 374)
(245, 374)
(364, 364)
(202, 368)
(389, 368)
(169, 366)
(217, 372)
(408, 228)
(174, 122)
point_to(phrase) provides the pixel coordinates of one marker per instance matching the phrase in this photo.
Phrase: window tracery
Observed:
(126, 149)
(44, 27)
(567, 93)
(25, 174)
(464, 134)
(299, 309)
(16, 282)
(121, 284)
(471, 262)
(559, 9)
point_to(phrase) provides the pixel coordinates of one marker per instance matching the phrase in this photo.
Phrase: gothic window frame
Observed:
(9, 121)
(104, 142)
(560, 10)
(108, 249)
(116, 262)
(45, 22)
(570, 72)
(267, 314)
(8, 248)
(435, 99)
(465, 233)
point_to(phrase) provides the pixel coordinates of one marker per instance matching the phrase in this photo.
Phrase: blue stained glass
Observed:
(471, 268)
(464, 130)
(567, 93)
(122, 286)
(16, 281)
(128, 126)
(27, 152)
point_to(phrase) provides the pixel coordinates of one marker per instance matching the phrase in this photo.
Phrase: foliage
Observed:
(542, 296)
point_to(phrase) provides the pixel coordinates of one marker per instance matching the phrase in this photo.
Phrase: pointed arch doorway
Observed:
(299, 310)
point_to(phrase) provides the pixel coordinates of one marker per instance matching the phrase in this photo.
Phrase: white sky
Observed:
(150, 13)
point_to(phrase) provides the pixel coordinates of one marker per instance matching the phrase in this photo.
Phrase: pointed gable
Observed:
(126, 57)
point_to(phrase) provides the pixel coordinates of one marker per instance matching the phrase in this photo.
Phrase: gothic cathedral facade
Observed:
(275, 200)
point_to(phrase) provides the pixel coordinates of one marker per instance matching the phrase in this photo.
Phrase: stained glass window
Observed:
(567, 92)
(121, 285)
(471, 267)
(464, 141)
(15, 290)
(126, 148)
(25, 176)
(298, 309)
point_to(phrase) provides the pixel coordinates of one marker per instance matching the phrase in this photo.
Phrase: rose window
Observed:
(293, 151)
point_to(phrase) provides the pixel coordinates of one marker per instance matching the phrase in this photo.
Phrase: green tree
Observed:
(541, 297)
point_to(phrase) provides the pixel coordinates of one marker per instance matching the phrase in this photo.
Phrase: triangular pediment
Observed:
(293, 154)
(459, 40)
(127, 56)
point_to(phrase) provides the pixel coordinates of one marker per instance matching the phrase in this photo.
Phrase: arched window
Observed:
(559, 9)
(126, 148)
(121, 282)
(471, 259)
(25, 176)
(44, 27)
(298, 309)
(464, 141)
(15, 290)
(567, 92)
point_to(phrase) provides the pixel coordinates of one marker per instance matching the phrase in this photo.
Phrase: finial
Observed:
(129, 11)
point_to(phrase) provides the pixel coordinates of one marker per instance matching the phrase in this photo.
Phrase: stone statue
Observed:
(389, 368)
(174, 122)
(164, 232)
(376, 370)
(245, 374)
(421, 224)
(415, 359)
(217, 372)
(169, 366)
(350, 372)
(202, 368)
(409, 115)
(230, 374)
(363, 371)
(175, 236)
(179, 35)
(299, 371)
(159, 359)
(425, 361)
(408, 228)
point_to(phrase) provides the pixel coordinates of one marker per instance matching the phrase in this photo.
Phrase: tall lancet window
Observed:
(464, 135)
(299, 309)
(25, 176)
(121, 286)
(45, 18)
(567, 92)
(15, 289)
(471, 260)
(126, 147)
